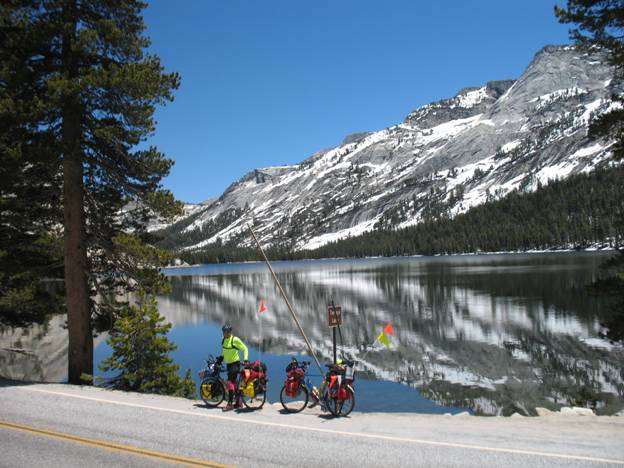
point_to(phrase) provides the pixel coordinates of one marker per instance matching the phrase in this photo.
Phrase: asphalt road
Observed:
(69, 426)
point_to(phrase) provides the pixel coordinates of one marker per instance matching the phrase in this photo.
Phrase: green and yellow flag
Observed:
(382, 338)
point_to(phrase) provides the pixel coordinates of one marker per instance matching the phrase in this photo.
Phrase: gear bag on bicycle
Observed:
(293, 380)
(254, 378)
(258, 370)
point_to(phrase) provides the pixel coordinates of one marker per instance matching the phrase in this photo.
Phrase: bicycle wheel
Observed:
(296, 403)
(212, 392)
(257, 400)
(342, 407)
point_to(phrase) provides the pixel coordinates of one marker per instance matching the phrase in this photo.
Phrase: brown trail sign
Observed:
(334, 316)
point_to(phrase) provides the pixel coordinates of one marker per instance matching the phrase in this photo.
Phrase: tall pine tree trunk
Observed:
(80, 354)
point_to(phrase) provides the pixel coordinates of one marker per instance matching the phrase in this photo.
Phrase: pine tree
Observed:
(82, 65)
(188, 389)
(141, 353)
(30, 242)
(601, 23)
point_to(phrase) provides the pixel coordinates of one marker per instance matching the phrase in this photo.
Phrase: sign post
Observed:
(334, 319)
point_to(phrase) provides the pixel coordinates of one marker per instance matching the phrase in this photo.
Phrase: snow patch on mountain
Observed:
(323, 239)
(472, 98)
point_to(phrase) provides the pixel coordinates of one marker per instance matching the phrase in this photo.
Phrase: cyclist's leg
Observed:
(232, 375)
(237, 391)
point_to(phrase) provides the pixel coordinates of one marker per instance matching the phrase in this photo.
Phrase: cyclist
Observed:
(231, 346)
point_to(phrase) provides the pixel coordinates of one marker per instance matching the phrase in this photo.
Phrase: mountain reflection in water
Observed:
(495, 334)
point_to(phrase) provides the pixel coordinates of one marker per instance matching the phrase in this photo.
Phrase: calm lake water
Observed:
(489, 334)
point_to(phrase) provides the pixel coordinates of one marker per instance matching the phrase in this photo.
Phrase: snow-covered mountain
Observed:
(452, 154)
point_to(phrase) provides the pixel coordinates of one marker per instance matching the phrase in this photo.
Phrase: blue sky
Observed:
(270, 82)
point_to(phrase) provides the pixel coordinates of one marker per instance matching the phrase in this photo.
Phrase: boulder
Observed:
(543, 412)
(577, 411)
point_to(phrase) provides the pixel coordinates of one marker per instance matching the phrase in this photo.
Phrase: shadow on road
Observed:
(205, 406)
(4, 382)
(245, 410)
(220, 408)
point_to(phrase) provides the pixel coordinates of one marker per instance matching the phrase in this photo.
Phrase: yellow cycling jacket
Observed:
(231, 347)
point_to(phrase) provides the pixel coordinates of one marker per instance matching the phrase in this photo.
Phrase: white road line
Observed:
(333, 431)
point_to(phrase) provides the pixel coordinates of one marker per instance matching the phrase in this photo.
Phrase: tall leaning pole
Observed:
(292, 312)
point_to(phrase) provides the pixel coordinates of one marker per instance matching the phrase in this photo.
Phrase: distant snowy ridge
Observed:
(460, 152)
(187, 210)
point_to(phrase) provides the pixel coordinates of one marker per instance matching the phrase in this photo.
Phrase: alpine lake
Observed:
(489, 334)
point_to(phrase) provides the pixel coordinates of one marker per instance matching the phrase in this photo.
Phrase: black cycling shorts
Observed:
(233, 369)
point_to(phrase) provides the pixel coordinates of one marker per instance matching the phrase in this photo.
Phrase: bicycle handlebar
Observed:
(299, 364)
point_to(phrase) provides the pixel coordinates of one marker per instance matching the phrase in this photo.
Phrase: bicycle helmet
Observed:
(226, 327)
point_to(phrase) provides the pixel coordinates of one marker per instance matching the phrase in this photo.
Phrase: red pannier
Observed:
(343, 394)
(295, 376)
(257, 370)
(251, 374)
(291, 387)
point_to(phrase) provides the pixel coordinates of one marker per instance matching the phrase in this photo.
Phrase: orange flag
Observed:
(262, 308)
(389, 329)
